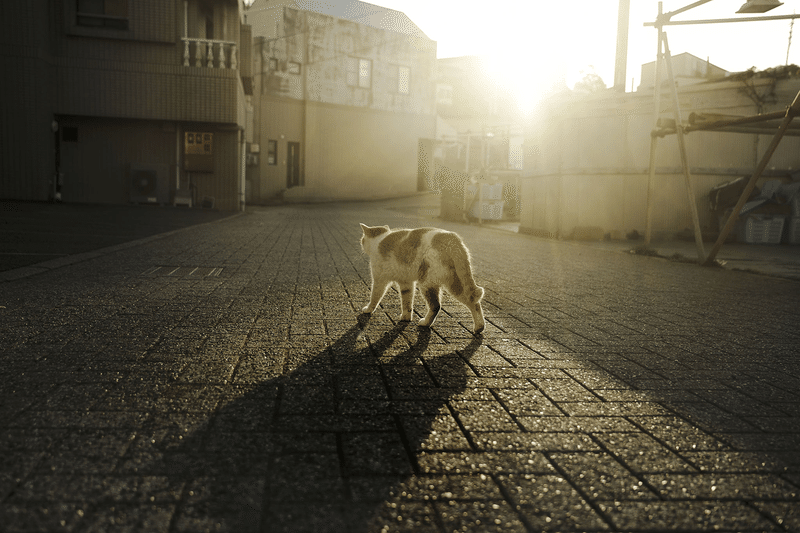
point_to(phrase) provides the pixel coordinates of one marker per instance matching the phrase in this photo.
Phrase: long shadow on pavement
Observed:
(322, 447)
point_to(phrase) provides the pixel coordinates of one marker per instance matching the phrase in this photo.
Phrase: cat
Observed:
(432, 257)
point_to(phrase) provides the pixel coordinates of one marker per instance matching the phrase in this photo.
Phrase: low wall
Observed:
(589, 206)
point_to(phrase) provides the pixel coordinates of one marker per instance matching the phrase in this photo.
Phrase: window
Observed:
(444, 94)
(103, 13)
(364, 73)
(272, 152)
(352, 71)
(273, 63)
(294, 67)
(359, 72)
(403, 79)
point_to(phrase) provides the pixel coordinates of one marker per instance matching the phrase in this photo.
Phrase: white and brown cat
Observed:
(432, 257)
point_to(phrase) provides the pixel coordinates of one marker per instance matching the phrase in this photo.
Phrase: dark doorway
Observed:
(293, 165)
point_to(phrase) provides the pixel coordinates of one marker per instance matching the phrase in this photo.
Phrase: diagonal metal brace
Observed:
(791, 112)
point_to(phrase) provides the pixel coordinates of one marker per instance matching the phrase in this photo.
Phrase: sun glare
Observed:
(527, 83)
(543, 49)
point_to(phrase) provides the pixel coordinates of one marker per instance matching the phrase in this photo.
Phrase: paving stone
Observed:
(549, 503)
(601, 477)
(641, 453)
(486, 515)
(717, 485)
(486, 440)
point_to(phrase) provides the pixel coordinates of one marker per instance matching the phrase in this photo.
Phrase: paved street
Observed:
(220, 378)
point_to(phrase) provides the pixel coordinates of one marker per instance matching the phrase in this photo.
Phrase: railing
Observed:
(209, 53)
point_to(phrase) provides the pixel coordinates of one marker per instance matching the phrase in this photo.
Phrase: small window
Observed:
(364, 73)
(403, 79)
(359, 72)
(272, 152)
(352, 71)
(294, 67)
(69, 134)
(273, 63)
(103, 13)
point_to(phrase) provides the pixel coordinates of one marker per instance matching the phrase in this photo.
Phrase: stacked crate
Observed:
(486, 202)
(761, 229)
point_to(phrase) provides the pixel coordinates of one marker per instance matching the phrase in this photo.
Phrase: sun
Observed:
(528, 86)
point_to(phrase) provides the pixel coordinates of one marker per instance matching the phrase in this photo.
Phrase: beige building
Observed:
(587, 157)
(122, 101)
(344, 101)
(687, 69)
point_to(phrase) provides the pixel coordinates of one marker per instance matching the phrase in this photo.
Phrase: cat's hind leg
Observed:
(406, 301)
(472, 299)
(378, 290)
(478, 323)
(431, 295)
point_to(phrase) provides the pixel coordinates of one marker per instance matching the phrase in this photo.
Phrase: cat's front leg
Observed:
(406, 301)
(378, 290)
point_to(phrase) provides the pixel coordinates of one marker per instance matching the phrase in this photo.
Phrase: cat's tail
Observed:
(463, 268)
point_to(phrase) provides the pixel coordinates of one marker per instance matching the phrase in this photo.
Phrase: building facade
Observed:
(123, 101)
(344, 101)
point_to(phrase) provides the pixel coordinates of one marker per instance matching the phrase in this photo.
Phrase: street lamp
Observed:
(759, 6)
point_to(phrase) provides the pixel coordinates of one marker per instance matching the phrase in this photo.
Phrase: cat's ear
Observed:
(373, 232)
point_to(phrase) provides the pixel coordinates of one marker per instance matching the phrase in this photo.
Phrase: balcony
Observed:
(209, 53)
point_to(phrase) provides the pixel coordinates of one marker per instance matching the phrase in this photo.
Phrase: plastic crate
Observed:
(487, 210)
(793, 232)
(761, 229)
(489, 191)
(794, 202)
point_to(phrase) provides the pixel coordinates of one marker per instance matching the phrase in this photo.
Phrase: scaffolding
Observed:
(753, 124)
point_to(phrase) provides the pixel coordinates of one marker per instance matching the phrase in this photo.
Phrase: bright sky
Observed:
(533, 42)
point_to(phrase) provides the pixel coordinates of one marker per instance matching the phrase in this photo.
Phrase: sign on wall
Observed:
(198, 151)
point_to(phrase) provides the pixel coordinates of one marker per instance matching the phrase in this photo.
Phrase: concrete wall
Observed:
(280, 120)
(97, 166)
(361, 153)
(27, 159)
(587, 160)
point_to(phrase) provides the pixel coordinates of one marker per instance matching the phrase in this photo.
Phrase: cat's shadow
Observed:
(322, 446)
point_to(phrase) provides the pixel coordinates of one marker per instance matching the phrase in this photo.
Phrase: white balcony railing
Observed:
(209, 53)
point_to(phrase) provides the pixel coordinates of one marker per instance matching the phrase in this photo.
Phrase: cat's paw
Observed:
(404, 317)
(478, 330)
(424, 323)
(366, 310)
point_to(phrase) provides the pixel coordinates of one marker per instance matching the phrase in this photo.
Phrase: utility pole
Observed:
(621, 64)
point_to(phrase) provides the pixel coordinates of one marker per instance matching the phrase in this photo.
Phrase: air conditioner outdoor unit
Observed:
(146, 186)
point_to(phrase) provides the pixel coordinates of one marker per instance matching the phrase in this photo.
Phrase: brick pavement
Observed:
(220, 379)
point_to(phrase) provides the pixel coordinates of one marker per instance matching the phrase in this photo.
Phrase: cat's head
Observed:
(370, 232)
